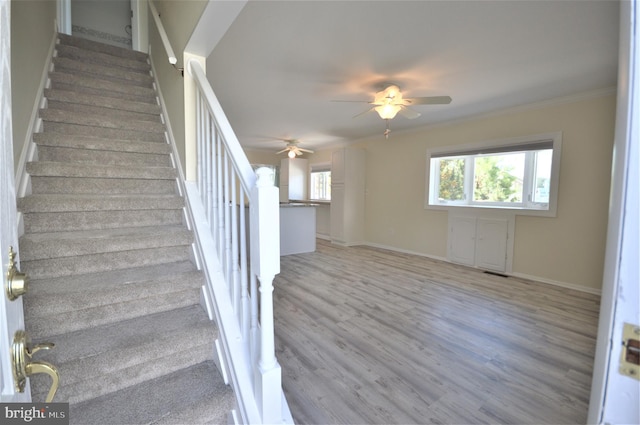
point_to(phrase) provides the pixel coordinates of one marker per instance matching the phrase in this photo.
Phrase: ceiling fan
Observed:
(389, 102)
(292, 148)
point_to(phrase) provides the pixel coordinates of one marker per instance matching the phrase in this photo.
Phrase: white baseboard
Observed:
(532, 278)
(404, 251)
(566, 285)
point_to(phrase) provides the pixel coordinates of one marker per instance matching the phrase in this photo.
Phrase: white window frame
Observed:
(318, 168)
(527, 207)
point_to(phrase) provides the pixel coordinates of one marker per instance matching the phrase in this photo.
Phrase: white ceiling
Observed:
(280, 64)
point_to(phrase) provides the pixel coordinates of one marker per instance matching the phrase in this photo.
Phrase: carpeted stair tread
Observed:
(61, 86)
(103, 132)
(61, 169)
(211, 409)
(123, 334)
(117, 202)
(93, 220)
(101, 354)
(97, 47)
(74, 320)
(39, 246)
(96, 143)
(89, 186)
(95, 263)
(107, 72)
(104, 87)
(73, 52)
(93, 156)
(151, 108)
(167, 277)
(195, 395)
(105, 112)
(100, 120)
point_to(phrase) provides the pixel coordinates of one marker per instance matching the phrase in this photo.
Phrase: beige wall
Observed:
(567, 249)
(263, 157)
(32, 31)
(179, 18)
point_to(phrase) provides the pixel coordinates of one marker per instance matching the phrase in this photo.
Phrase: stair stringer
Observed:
(232, 359)
(29, 150)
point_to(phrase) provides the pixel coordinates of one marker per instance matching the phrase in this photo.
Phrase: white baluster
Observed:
(244, 282)
(235, 272)
(208, 203)
(199, 144)
(220, 202)
(255, 337)
(227, 223)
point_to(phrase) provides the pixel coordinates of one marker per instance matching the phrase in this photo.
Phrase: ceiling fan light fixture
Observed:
(291, 154)
(387, 111)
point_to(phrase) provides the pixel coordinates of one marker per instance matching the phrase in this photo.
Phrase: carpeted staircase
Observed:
(113, 284)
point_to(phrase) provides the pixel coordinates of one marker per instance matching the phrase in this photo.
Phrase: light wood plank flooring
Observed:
(368, 336)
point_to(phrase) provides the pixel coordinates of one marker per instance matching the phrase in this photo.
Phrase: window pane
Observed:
(451, 179)
(321, 185)
(498, 178)
(542, 176)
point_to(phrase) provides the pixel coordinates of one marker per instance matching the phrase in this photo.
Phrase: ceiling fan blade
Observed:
(408, 113)
(282, 151)
(352, 101)
(431, 100)
(365, 112)
(305, 150)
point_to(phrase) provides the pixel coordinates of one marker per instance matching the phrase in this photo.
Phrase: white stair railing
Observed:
(247, 247)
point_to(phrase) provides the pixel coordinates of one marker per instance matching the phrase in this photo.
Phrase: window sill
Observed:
(551, 212)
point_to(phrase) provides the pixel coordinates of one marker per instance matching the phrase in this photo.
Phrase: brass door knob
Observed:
(16, 282)
(21, 354)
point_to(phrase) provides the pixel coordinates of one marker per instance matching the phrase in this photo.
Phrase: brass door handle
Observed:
(21, 354)
(16, 282)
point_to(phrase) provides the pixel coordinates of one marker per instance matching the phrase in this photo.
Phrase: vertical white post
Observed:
(244, 281)
(235, 270)
(63, 11)
(197, 168)
(265, 263)
(255, 337)
(219, 201)
(191, 115)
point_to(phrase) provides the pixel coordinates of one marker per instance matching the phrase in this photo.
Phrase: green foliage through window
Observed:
(516, 176)
(452, 179)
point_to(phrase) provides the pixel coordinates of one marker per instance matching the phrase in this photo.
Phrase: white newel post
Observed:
(265, 264)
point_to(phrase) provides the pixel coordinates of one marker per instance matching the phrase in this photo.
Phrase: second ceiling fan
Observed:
(292, 148)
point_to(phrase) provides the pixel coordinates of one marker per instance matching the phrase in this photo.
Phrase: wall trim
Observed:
(536, 279)
(405, 251)
(558, 283)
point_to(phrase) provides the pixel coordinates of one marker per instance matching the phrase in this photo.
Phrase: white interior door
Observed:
(11, 313)
(615, 394)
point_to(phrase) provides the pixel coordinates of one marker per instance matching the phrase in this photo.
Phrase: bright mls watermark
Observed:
(34, 413)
